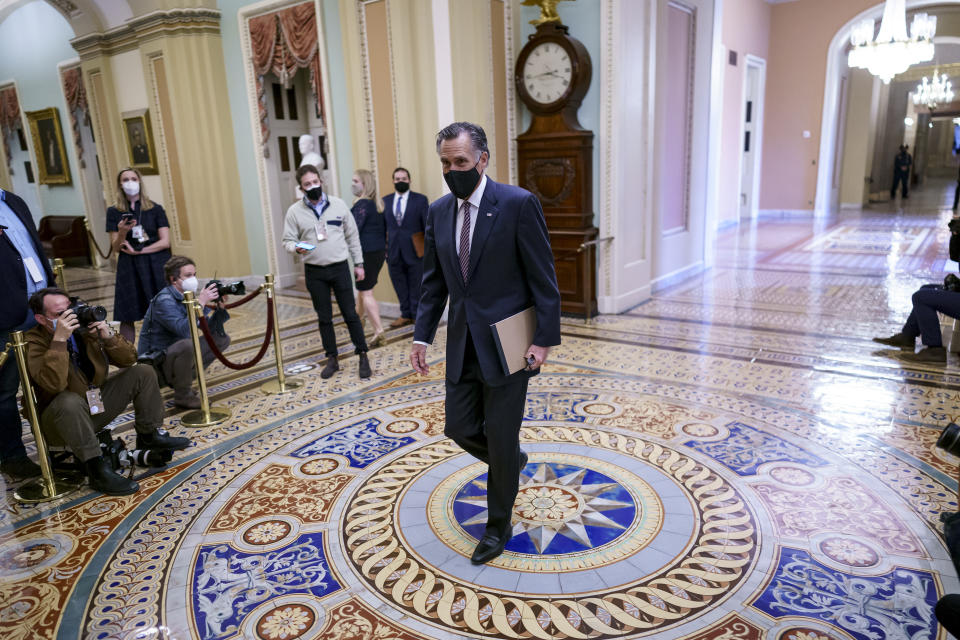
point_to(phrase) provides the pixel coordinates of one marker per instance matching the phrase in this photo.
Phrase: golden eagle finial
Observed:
(548, 11)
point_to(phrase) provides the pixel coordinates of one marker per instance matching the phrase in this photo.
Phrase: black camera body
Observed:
(237, 288)
(120, 459)
(87, 314)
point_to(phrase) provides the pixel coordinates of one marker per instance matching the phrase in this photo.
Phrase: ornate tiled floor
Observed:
(732, 459)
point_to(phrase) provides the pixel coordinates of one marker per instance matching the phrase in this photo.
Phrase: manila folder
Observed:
(513, 336)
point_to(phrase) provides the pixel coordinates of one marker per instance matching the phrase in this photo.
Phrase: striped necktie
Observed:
(465, 240)
(399, 214)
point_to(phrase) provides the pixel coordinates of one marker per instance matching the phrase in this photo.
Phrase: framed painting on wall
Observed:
(47, 136)
(139, 137)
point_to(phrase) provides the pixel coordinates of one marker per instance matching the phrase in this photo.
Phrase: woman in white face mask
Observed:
(140, 234)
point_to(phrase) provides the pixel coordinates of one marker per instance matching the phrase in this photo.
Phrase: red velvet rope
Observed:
(256, 358)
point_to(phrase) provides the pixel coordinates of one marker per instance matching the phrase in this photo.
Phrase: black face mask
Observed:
(313, 194)
(462, 183)
(401, 187)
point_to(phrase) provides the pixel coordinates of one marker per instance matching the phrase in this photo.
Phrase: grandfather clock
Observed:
(555, 156)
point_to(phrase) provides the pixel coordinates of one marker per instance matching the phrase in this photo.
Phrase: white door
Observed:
(92, 183)
(683, 115)
(751, 140)
(23, 174)
(287, 109)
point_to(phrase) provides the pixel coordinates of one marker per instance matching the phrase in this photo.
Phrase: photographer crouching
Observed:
(165, 336)
(68, 356)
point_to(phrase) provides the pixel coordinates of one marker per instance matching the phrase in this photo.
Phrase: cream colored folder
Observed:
(513, 336)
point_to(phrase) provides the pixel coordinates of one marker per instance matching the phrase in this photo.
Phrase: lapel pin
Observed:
(489, 214)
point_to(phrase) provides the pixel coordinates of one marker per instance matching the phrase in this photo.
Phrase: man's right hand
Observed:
(208, 294)
(418, 359)
(67, 323)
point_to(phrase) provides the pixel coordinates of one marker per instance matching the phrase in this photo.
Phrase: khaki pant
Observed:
(179, 368)
(67, 420)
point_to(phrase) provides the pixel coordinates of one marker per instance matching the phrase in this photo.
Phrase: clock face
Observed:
(547, 72)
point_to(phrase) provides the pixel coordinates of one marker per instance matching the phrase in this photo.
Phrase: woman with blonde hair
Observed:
(140, 234)
(373, 242)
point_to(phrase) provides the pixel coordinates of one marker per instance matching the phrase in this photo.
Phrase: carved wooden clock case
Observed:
(555, 156)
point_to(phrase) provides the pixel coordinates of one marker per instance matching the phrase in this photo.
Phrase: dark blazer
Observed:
(399, 245)
(13, 277)
(511, 268)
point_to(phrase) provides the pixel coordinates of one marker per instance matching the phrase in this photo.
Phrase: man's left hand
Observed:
(539, 356)
(358, 272)
(103, 329)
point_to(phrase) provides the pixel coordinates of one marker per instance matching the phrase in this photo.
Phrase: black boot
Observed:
(364, 366)
(333, 365)
(158, 439)
(106, 480)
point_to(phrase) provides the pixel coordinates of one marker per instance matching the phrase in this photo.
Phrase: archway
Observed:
(832, 95)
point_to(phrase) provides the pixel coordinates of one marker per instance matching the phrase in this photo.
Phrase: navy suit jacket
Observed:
(511, 268)
(399, 245)
(13, 278)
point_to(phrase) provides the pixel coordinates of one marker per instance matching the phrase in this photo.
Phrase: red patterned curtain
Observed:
(76, 96)
(9, 116)
(283, 42)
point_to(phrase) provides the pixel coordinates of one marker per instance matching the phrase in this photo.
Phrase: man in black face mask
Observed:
(322, 230)
(488, 251)
(406, 216)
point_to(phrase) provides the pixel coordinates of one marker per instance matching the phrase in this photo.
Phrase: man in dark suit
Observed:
(487, 249)
(406, 215)
(24, 269)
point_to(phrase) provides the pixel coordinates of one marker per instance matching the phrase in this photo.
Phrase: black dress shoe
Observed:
(20, 468)
(898, 340)
(490, 547)
(160, 440)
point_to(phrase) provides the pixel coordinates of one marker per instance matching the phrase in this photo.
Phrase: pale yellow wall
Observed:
(856, 147)
(191, 81)
(473, 99)
(131, 95)
(414, 80)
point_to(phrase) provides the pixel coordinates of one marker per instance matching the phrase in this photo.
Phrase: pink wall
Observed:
(800, 34)
(745, 29)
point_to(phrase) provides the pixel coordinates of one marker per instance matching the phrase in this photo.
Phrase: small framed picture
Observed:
(139, 137)
(47, 137)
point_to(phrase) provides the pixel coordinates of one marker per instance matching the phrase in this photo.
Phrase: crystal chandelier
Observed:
(932, 93)
(893, 51)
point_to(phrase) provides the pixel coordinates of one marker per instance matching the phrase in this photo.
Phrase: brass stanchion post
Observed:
(206, 416)
(48, 486)
(94, 252)
(58, 273)
(281, 384)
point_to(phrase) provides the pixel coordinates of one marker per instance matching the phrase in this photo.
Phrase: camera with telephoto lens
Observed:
(237, 288)
(115, 452)
(87, 314)
(949, 439)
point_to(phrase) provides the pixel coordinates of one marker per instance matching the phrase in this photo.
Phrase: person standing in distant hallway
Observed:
(901, 173)
(406, 220)
(140, 234)
(373, 242)
(488, 252)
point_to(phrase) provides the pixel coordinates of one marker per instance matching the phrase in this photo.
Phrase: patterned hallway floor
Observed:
(733, 459)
